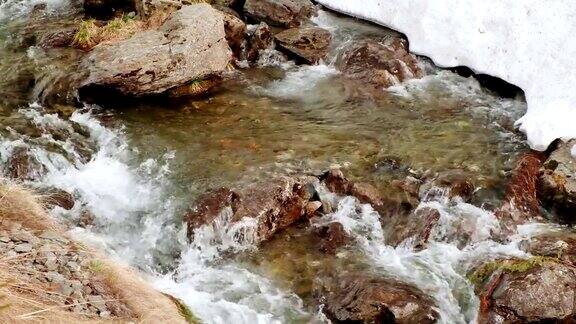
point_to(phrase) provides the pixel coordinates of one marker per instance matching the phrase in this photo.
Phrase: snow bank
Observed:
(529, 43)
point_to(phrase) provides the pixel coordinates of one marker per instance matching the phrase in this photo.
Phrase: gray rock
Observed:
(98, 302)
(55, 277)
(190, 46)
(23, 248)
(558, 181)
(284, 13)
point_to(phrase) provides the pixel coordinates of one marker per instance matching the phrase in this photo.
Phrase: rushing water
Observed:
(150, 160)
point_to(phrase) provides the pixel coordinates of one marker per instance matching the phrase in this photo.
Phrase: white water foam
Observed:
(134, 222)
(298, 81)
(440, 269)
(12, 9)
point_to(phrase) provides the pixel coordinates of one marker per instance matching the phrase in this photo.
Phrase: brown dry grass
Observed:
(24, 301)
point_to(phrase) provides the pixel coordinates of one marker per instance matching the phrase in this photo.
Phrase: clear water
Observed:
(150, 160)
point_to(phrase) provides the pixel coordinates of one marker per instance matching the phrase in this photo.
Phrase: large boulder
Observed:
(379, 64)
(188, 48)
(274, 204)
(558, 181)
(555, 244)
(362, 298)
(308, 43)
(526, 291)
(283, 13)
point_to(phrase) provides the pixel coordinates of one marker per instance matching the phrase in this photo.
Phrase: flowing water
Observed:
(138, 166)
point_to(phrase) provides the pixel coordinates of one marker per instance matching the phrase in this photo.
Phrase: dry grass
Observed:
(22, 300)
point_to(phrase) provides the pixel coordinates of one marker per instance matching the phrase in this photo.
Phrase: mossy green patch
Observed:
(86, 35)
(508, 266)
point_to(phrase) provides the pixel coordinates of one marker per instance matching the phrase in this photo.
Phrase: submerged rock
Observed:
(284, 13)
(189, 47)
(558, 181)
(453, 183)
(525, 291)
(361, 298)
(379, 64)
(331, 237)
(308, 43)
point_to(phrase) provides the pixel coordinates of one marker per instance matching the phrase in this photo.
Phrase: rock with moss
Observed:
(556, 244)
(191, 45)
(558, 181)
(538, 289)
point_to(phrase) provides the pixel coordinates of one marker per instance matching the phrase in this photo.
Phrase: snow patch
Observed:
(527, 43)
(573, 151)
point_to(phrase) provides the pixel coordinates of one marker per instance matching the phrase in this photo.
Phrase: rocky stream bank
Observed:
(394, 244)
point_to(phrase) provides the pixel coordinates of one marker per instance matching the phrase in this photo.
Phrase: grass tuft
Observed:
(86, 36)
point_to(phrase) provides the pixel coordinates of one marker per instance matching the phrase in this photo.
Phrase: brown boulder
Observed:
(189, 47)
(526, 291)
(283, 13)
(308, 43)
(275, 205)
(379, 64)
(521, 201)
(358, 298)
(236, 31)
(59, 38)
(260, 39)
(558, 181)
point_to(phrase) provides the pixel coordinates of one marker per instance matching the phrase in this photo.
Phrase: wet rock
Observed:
(189, 47)
(59, 38)
(416, 226)
(57, 197)
(336, 182)
(274, 204)
(409, 185)
(22, 165)
(236, 31)
(526, 291)
(454, 183)
(379, 64)
(558, 181)
(283, 13)
(209, 206)
(331, 237)
(260, 39)
(367, 194)
(312, 207)
(308, 43)
(521, 202)
(560, 245)
(358, 298)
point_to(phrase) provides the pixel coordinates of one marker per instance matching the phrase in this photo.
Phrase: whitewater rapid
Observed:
(527, 43)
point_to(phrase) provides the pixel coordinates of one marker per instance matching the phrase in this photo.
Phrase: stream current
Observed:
(138, 166)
